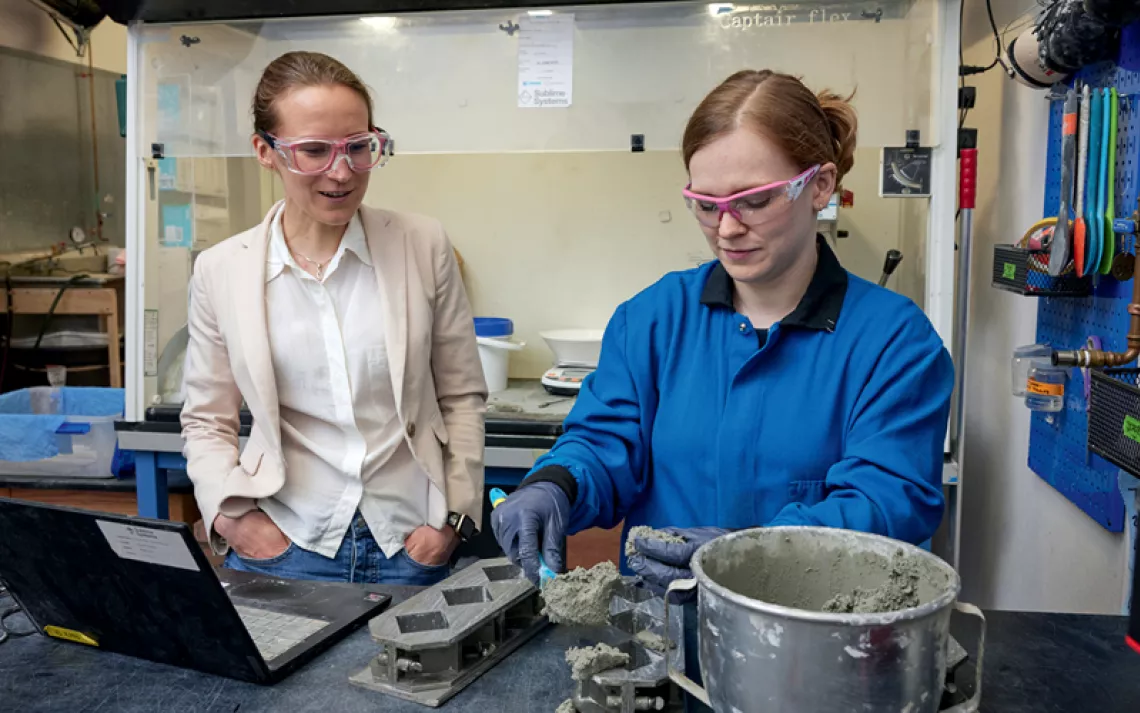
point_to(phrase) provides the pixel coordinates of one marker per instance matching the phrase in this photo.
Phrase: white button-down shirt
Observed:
(344, 445)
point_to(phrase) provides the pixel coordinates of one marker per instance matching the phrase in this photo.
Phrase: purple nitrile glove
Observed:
(534, 515)
(659, 563)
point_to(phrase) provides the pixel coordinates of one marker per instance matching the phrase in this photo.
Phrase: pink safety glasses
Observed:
(751, 207)
(315, 156)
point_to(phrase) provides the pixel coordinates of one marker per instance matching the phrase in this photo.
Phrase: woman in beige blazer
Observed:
(347, 333)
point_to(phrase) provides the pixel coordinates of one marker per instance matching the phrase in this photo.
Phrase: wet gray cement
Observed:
(581, 597)
(825, 576)
(653, 642)
(648, 533)
(900, 591)
(588, 660)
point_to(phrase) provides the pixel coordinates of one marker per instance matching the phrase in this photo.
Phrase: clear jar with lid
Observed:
(1021, 361)
(1045, 386)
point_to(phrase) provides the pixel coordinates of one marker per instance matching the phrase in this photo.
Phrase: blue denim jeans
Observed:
(359, 560)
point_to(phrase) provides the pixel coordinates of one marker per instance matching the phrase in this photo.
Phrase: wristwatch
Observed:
(463, 526)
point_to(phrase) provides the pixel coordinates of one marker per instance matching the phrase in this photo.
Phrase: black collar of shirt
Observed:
(818, 308)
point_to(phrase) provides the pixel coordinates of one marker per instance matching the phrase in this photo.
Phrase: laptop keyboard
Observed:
(275, 633)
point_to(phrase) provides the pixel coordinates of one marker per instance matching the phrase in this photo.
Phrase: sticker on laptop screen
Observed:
(146, 544)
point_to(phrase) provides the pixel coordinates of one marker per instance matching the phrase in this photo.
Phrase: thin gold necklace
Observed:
(319, 265)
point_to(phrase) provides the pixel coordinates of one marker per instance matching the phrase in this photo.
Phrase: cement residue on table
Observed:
(581, 597)
(567, 706)
(586, 661)
(648, 533)
(526, 400)
(900, 591)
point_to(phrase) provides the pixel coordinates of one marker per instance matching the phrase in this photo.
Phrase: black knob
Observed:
(894, 257)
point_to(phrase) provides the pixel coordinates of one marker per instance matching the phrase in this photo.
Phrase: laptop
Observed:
(144, 588)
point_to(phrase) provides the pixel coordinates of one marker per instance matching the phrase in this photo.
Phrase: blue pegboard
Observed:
(1058, 442)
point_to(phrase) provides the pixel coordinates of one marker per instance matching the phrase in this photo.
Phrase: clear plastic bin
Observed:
(60, 432)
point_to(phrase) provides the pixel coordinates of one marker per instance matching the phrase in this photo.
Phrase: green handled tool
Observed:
(1109, 250)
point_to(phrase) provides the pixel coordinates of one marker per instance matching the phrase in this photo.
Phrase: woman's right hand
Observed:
(253, 535)
(534, 516)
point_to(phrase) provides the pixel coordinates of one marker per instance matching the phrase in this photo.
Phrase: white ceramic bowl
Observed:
(574, 347)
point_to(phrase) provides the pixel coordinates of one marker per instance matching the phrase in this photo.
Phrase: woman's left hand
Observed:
(659, 563)
(430, 546)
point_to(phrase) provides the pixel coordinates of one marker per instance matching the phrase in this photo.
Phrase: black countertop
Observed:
(523, 411)
(177, 482)
(1034, 663)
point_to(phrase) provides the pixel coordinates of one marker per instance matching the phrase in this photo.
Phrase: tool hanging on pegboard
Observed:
(1080, 449)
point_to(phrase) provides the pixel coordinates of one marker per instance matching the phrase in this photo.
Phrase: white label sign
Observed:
(546, 61)
(150, 342)
(145, 544)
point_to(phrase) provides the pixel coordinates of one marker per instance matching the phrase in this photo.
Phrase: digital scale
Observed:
(565, 380)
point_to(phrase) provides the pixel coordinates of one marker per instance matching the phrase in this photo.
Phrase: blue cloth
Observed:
(29, 438)
(359, 560)
(688, 422)
(27, 433)
(73, 401)
(93, 401)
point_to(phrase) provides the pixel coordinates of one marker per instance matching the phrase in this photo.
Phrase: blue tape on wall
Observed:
(1057, 442)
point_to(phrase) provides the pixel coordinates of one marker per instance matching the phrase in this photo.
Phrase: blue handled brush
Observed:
(545, 574)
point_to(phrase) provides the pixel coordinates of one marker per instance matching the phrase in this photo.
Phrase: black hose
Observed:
(55, 303)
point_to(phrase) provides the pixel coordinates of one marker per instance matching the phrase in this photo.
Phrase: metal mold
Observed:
(502, 572)
(634, 622)
(445, 637)
(643, 684)
(428, 621)
(466, 595)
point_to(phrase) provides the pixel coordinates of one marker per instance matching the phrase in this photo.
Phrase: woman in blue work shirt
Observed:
(770, 387)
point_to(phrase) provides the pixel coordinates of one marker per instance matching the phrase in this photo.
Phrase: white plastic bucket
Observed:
(495, 354)
(493, 335)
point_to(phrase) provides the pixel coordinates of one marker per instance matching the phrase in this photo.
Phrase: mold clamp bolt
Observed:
(641, 703)
(402, 664)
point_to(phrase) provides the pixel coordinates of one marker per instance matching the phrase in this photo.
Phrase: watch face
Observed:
(463, 525)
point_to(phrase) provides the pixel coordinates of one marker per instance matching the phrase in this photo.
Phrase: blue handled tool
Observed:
(545, 574)
(1094, 228)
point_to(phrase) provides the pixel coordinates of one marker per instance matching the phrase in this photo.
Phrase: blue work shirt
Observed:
(837, 418)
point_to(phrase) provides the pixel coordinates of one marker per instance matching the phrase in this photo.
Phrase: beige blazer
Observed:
(430, 336)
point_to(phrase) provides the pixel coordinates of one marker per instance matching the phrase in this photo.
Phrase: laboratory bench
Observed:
(1033, 663)
(116, 495)
(522, 423)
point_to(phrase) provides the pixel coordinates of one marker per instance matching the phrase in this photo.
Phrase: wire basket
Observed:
(1025, 272)
(1114, 417)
